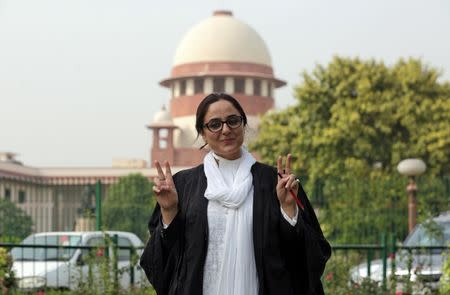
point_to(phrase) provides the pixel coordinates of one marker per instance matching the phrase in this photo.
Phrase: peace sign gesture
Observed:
(166, 193)
(287, 186)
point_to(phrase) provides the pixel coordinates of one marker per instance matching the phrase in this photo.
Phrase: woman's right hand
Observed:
(166, 193)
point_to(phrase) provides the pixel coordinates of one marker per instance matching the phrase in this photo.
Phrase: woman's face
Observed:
(226, 142)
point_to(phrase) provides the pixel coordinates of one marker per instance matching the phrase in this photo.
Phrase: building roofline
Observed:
(72, 175)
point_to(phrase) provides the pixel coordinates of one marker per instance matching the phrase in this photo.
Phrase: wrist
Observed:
(289, 209)
(168, 214)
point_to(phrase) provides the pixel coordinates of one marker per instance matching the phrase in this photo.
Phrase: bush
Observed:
(444, 282)
(128, 205)
(15, 224)
(103, 275)
(7, 280)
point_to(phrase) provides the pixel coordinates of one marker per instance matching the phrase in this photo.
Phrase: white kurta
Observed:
(217, 226)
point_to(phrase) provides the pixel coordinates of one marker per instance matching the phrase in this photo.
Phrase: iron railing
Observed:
(76, 266)
(386, 265)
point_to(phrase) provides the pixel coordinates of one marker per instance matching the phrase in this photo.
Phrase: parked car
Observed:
(40, 268)
(425, 265)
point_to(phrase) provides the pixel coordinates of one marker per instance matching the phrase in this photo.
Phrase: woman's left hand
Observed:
(286, 182)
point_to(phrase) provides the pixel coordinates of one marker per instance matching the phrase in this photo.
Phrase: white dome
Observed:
(162, 117)
(222, 38)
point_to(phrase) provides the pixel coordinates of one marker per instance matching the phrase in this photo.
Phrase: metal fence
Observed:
(386, 266)
(42, 266)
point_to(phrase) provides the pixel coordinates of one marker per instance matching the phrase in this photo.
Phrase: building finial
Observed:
(222, 12)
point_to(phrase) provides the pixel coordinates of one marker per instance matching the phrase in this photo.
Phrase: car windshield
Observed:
(46, 254)
(436, 235)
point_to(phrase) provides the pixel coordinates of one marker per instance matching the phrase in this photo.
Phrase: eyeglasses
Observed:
(216, 125)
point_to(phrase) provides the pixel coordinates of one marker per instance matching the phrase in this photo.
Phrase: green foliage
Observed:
(433, 196)
(102, 277)
(143, 291)
(353, 122)
(360, 210)
(337, 277)
(103, 274)
(7, 279)
(15, 224)
(128, 205)
(353, 115)
(444, 281)
(337, 281)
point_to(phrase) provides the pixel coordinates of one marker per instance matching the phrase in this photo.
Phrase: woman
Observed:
(231, 225)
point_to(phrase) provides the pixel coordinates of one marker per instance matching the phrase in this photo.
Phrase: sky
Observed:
(79, 79)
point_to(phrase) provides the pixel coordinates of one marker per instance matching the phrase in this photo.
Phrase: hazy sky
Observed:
(79, 78)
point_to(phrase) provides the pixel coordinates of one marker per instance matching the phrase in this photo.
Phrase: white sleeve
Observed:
(292, 221)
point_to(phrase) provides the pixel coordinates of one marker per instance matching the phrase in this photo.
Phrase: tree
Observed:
(354, 121)
(129, 204)
(354, 115)
(15, 224)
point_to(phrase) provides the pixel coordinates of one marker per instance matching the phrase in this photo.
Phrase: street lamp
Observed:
(411, 168)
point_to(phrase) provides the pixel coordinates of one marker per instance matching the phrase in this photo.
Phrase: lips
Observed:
(228, 140)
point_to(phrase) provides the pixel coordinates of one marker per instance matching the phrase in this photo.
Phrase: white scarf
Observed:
(238, 275)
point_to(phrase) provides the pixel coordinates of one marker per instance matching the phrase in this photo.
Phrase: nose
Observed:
(226, 129)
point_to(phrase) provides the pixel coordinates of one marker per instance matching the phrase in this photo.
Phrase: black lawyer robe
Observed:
(289, 259)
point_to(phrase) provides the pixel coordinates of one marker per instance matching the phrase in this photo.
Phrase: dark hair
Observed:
(202, 109)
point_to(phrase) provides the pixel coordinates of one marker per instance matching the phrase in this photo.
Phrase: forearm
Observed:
(164, 235)
(167, 215)
(291, 215)
(161, 254)
(290, 209)
(291, 229)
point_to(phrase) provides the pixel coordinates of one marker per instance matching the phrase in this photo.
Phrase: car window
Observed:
(99, 245)
(124, 254)
(438, 235)
(96, 242)
(47, 253)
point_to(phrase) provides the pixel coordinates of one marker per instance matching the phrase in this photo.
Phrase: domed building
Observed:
(220, 54)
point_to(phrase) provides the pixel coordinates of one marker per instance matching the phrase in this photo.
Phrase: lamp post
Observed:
(411, 168)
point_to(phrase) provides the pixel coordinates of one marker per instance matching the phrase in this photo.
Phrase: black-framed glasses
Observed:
(216, 125)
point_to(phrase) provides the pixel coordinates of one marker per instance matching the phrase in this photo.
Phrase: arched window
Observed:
(219, 84)
(256, 87)
(182, 87)
(22, 197)
(239, 85)
(269, 88)
(163, 133)
(198, 85)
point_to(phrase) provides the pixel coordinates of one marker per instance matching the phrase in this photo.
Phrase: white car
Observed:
(425, 265)
(60, 268)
